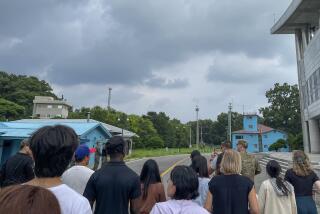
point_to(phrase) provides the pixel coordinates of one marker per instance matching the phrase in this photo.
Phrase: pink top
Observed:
(178, 207)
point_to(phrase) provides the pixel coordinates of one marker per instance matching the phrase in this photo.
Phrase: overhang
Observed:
(300, 13)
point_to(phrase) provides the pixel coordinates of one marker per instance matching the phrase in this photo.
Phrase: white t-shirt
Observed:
(203, 191)
(70, 201)
(178, 207)
(77, 177)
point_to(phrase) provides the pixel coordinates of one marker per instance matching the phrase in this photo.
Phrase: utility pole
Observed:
(197, 116)
(190, 145)
(229, 122)
(201, 141)
(109, 99)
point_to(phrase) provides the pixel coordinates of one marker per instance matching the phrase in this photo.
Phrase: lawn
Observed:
(142, 153)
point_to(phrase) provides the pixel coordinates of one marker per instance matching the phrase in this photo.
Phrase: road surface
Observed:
(167, 163)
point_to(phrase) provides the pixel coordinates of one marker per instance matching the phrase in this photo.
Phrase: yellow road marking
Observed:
(171, 167)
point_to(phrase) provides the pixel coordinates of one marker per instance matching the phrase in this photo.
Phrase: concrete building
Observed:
(12, 133)
(259, 137)
(302, 19)
(48, 107)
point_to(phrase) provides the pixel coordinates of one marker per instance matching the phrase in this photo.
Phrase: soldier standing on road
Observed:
(250, 165)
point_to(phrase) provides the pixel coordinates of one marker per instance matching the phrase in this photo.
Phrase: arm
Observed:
(208, 204)
(135, 194)
(162, 194)
(262, 198)
(293, 202)
(253, 202)
(135, 205)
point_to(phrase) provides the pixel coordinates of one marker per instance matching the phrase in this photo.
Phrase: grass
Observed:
(143, 153)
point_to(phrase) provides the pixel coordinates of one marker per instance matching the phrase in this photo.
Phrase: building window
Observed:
(250, 126)
(59, 106)
(255, 146)
(265, 146)
(250, 117)
(265, 136)
(49, 106)
(238, 137)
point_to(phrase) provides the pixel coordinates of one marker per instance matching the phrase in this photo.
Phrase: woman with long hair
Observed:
(27, 199)
(231, 192)
(200, 166)
(275, 193)
(151, 187)
(303, 178)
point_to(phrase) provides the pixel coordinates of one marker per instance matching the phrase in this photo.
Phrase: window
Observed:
(250, 117)
(238, 137)
(59, 106)
(49, 106)
(265, 146)
(265, 136)
(250, 126)
(255, 146)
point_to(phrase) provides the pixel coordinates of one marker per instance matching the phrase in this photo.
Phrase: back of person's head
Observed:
(273, 169)
(116, 146)
(301, 163)
(231, 162)
(82, 153)
(149, 175)
(53, 148)
(24, 143)
(26, 199)
(200, 166)
(194, 153)
(226, 145)
(186, 183)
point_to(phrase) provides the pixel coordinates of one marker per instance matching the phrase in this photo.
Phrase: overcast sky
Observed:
(167, 55)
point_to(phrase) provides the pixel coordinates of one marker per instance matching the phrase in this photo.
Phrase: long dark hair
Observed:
(149, 175)
(199, 165)
(273, 169)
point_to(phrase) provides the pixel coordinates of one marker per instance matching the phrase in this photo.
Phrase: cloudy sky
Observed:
(167, 55)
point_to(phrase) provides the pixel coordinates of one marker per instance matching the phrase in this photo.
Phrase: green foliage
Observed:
(22, 90)
(284, 110)
(10, 110)
(281, 143)
(295, 141)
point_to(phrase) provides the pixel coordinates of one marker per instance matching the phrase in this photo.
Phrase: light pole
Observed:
(197, 136)
(190, 145)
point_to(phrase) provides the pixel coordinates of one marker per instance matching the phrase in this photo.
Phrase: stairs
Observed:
(285, 165)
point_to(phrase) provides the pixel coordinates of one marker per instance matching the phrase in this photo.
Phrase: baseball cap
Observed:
(243, 143)
(81, 152)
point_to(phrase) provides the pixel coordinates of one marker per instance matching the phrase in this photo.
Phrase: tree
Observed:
(284, 110)
(279, 144)
(10, 110)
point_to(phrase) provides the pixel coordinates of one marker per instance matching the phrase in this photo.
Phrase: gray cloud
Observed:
(160, 82)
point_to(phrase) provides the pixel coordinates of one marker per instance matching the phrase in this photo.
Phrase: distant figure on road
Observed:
(250, 165)
(230, 192)
(77, 176)
(224, 146)
(303, 178)
(18, 168)
(199, 165)
(52, 148)
(182, 189)
(114, 185)
(151, 186)
(18, 199)
(275, 194)
(100, 153)
(193, 154)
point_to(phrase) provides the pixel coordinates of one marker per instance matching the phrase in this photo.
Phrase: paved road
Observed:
(166, 164)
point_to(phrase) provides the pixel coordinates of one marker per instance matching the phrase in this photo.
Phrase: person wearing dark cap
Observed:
(114, 186)
(77, 176)
(18, 168)
(216, 166)
(250, 165)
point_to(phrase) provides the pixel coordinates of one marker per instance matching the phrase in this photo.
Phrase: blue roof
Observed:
(24, 128)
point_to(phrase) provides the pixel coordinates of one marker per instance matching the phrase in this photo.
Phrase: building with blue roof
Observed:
(90, 132)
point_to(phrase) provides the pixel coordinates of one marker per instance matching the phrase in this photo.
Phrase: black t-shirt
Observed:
(112, 187)
(230, 194)
(302, 184)
(17, 169)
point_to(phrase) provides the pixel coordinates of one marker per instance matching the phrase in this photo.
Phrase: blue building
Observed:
(259, 137)
(12, 133)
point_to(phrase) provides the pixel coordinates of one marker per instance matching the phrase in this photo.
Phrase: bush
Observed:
(154, 142)
(281, 143)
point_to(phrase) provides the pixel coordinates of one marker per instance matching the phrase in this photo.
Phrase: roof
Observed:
(112, 129)
(25, 128)
(299, 14)
(261, 129)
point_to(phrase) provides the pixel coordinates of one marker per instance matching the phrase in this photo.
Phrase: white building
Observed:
(48, 107)
(302, 19)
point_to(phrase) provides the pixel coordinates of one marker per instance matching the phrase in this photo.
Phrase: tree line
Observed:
(156, 129)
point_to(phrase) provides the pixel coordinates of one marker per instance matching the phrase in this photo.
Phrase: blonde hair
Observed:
(231, 162)
(301, 163)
